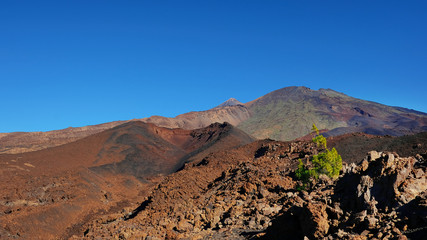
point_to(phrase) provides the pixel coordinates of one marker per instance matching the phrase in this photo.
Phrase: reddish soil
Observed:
(250, 193)
(354, 146)
(138, 180)
(51, 193)
(20, 142)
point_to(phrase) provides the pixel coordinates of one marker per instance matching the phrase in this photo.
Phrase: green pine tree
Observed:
(327, 162)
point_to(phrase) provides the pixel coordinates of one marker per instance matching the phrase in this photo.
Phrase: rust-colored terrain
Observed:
(50, 193)
(140, 181)
(250, 193)
(19, 142)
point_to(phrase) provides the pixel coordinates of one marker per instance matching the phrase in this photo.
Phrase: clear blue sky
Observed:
(77, 63)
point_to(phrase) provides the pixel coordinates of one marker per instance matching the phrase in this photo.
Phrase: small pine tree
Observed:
(328, 162)
(320, 140)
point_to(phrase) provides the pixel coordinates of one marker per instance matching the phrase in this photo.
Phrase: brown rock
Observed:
(170, 235)
(402, 237)
(372, 222)
(360, 217)
(184, 226)
(364, 165)
(314, 220)
(373, 155)
(248, 188)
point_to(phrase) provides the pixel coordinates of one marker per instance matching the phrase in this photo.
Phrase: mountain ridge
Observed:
(283, 114)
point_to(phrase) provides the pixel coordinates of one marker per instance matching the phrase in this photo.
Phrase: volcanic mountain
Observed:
(284, 114)
(289, 113)
(48, 193)
(19, 142)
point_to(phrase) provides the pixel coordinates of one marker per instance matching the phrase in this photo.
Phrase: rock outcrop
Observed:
(384, 197)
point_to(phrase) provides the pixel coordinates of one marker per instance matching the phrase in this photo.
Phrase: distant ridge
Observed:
(230, 102)
(284, 114)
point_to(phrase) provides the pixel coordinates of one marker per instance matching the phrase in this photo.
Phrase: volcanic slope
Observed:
(20, 142)
(50, 193)
(353, 146)
(229, 111)
(289, 113)
(284, 114)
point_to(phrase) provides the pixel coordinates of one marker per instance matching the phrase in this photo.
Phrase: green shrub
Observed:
(327, 162)
(302, 173)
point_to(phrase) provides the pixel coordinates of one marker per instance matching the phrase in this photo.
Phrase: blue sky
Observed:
(77, 63)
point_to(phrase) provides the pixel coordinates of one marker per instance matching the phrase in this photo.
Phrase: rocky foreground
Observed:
(249, 193)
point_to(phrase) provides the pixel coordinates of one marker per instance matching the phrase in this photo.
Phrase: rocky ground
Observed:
(54, 192)
(249, 193)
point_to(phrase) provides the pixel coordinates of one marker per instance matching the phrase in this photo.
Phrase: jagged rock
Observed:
(373, 155)
(381, 180)
(402, 237)
(411, 189)
(248, 188)
(341, 234)
(364, 191)
(268, 211)
(372, 221)
(349, 168)
(364, 165)
(360, 216)
(314, 220)
(184, 226)
(334, 212)
(257, 196)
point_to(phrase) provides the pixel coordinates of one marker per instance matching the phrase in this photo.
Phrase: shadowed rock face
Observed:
(51, 193)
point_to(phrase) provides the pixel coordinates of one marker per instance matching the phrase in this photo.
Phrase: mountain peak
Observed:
(230, 102)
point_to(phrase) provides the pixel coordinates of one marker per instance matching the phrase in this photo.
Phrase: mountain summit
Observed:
(230, 102)
(287, 113)
(284, 114)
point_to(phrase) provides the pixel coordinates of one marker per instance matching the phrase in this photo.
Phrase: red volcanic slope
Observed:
(50, 193)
